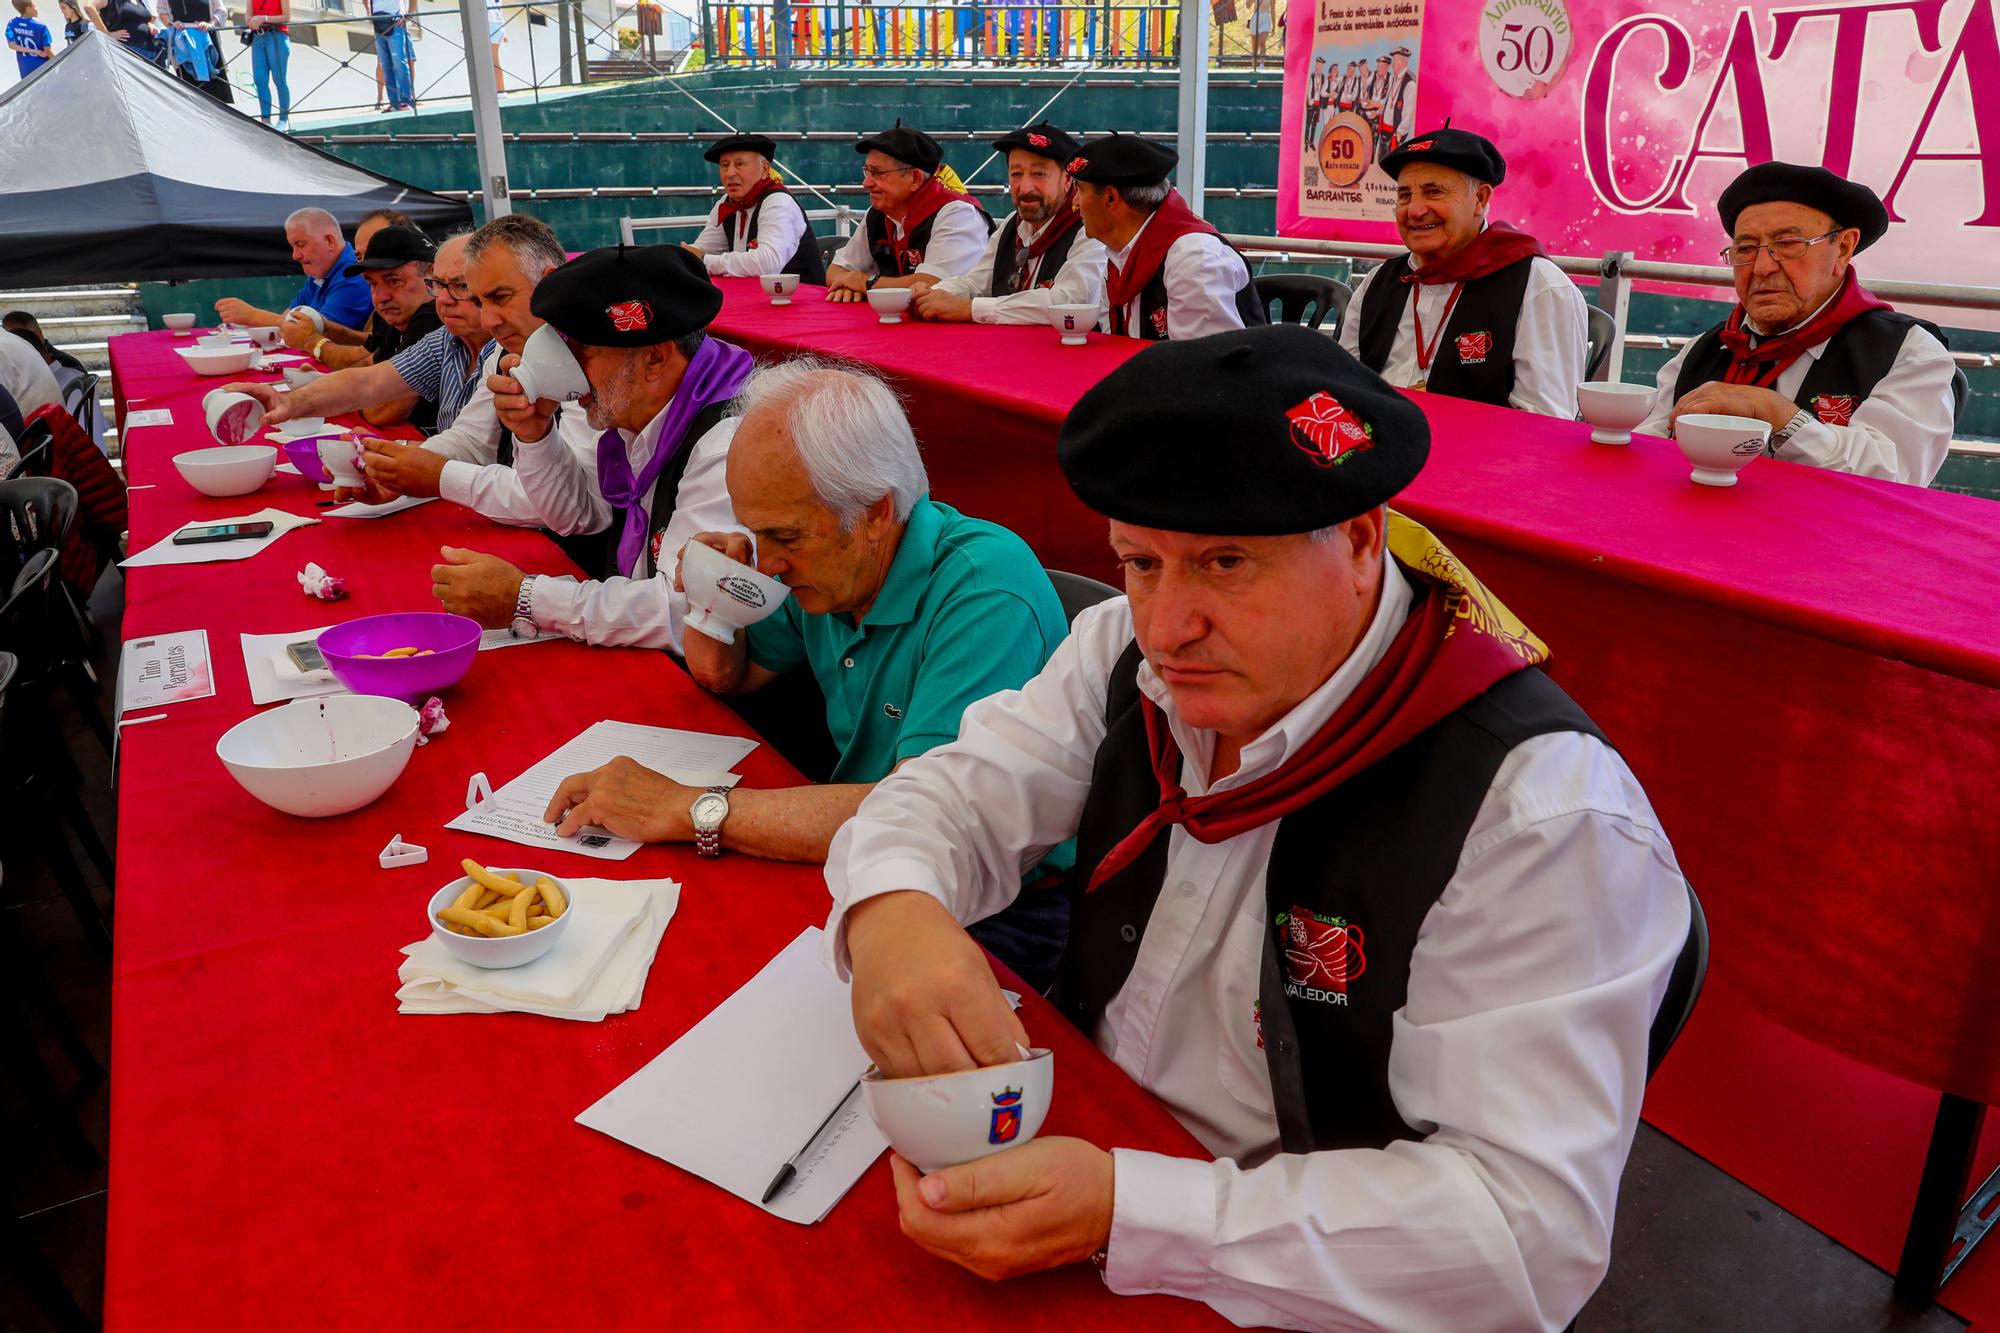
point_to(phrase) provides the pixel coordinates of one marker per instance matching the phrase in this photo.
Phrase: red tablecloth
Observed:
(289, 1152)
(1801, 669)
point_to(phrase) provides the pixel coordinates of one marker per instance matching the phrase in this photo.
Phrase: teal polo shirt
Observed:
(966, 611)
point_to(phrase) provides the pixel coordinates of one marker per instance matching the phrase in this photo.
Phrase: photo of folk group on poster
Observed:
(1360, 102)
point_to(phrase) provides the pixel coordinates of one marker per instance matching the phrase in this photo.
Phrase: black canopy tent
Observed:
(112, 170)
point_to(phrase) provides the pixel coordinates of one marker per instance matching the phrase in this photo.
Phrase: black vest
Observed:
(1854, 362)
(666, 496)
(1475, 352)
(805, 261)
(914, 245)
(1006, 255)
(1153, 306)
(1351, 879)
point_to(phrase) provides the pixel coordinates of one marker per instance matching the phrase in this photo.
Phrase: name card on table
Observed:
(164, 669)
(152, 416)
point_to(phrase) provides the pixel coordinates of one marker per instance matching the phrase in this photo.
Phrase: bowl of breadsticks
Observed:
(499, 918)
(405, 655)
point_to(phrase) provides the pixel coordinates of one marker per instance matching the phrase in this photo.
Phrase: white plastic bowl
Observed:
(891, 302)
(178, 323)
(321, 757)
(1614, 409)
(230, 469)
(219, 360)
(507, 951)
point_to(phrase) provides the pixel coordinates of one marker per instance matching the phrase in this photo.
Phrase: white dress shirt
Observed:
(473, 476)
(1900, 432)
(958, 235)
(1551, 338)
(1079, 282)
(641, 610)
(1203, 276)
(730, 253)
(1520, 1049)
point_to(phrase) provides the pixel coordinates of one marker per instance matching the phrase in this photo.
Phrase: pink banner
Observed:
(1621, 120)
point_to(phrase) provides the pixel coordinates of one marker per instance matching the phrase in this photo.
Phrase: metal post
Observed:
(485, 111)
(562, 43)
(1614, 298)
(1193, 121)
(707, 35)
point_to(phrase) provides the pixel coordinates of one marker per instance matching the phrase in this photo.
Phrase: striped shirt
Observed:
(441, 368)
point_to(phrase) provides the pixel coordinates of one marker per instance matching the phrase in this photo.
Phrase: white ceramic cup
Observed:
(310, 315)
(1720, 446)
(780, 286)
(724, 596)
(341, 457)
(232, 417)
(1613, 409)
(548, 370)
(221, 342)
(945, 1119)
(179, 323)
(1073, 322)
(891, 302)
(267, 336)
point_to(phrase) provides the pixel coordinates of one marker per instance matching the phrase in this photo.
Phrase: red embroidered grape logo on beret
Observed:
(1326, 430)
(1835, 409)
(630, 316)
(1421, 145)
(1077, 164)
(1039, 140)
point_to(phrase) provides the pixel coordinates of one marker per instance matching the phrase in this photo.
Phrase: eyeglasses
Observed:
(457, 290)
(1785, 251)
(876, 173)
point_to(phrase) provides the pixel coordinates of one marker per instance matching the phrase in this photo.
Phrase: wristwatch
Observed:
(709, 810)
(1800, 420)
(319, 347)
(873, 278)
(523, 626)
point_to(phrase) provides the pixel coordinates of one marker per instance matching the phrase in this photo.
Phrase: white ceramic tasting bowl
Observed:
(891, 302)
(229, 469)
(321, 757)
(1720, 446)
(942, 1120)
(341, 457)
(305, 428)
(724, 596)
(548, 370)
(232, 417)
(508, 950)
(179, 323)
(780, 286)
(1613, 409)
(1073, 322)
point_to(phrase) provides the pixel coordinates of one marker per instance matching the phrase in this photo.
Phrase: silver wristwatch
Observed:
(709, 810)
(1800, 420)
(523, 626)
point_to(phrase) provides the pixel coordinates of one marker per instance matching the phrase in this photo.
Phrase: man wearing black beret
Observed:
(1168, 274)
(1040, 257)
(757, 227)
(1360, 894)
(1475, 309)
(1845, 382)
(920, 221)
(634, 319)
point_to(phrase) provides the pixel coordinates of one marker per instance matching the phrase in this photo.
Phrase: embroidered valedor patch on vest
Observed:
(1322, 955)
(1835, 409)
(1473, 348)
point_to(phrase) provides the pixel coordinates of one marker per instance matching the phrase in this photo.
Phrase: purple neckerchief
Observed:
(714, 374)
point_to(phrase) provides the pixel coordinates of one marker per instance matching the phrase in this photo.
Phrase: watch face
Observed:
(709, 810)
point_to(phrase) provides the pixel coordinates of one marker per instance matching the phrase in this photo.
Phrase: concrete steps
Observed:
(81, 321)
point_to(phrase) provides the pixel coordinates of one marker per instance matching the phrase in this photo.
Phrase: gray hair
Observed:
(315, 217)
(1145, 198)
(849, 429)
(531, 239)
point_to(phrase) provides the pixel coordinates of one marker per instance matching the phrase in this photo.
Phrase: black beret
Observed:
(393, 247)
(1849, 204)
(1460, 149)
(743, 143)
(1123, 159)
(913, 147)
(627, 296)
(1042, 139)
(1254, 432)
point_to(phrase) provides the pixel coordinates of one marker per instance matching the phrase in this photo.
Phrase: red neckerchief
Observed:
(1438, 661)
(1761, 365)
(1172, 220)
(932, 195)
(727, 210)
(1488, 252)
(1059, 222)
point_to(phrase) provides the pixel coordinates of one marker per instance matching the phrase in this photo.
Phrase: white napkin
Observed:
(598, 967)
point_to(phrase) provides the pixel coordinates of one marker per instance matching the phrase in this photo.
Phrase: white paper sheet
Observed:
(355, 509)
(152, 416)
(287, 467)
(514, 813)
(736, 1097)
(164, 669)
(164, 552)
(274, 677)
(504, 638)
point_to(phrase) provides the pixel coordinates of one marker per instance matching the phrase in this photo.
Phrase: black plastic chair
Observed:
(1961, 393)
(36, 447)
(1602, 330)
(1683, 987)
(81, 403)
(829, 246)
(1077, 593)
(1304, 298)
(36, 514)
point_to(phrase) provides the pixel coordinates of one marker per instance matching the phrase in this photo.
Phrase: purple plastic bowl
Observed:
(453, 641)
(305, 457)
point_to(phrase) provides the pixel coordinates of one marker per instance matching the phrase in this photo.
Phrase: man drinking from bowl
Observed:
(1360, 894)
(903, 610)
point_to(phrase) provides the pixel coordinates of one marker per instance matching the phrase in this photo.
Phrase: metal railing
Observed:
(785, 35)
(841, 216)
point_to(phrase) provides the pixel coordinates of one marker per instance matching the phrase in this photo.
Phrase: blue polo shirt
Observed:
(342, 299)
(966, 611)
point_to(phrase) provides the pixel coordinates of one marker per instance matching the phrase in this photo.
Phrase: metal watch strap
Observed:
(524, 603)
(708, 842)
(1800, 420)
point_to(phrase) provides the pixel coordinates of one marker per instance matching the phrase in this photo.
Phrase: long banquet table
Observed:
(287, 1151)
(1802, 670)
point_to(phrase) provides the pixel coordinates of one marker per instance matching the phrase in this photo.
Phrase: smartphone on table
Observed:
(222, 532)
